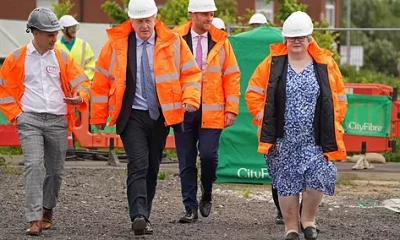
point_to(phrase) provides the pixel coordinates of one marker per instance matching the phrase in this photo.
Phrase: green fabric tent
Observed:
(238, 157)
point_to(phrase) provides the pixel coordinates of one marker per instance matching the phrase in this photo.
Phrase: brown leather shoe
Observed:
(47, 219)
(34, 229)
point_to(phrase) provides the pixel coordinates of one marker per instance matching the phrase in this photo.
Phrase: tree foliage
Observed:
(117, 13)
(381, 48)
(174, 12)
(287, 7)
(63, 8)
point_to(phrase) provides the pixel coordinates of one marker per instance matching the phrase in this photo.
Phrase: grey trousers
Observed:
(44, 142)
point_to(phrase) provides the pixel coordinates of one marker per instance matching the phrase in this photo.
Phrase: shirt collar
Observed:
(31, 49)
(151, 40)
(194, 34)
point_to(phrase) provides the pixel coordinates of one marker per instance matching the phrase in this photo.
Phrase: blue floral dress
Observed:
(295, 162)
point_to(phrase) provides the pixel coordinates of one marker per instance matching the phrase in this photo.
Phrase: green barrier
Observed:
(238, 157)
(3, 119)
(368, 115)
(107, 129)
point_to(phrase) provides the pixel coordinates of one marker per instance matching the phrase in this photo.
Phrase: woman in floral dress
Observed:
(298, 101)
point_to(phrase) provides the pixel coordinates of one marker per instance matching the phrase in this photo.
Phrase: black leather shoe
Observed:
(292, 236)
(139, 225)
(310, 233)
(148, 230)
(190, 216)
(279, 219)
(205, 208)
(316, 228)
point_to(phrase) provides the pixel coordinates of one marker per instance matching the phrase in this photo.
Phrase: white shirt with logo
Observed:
(42, 81)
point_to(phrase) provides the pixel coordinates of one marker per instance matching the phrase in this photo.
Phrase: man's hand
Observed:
(229, 119)
(100, 126)
(189, 108)
(74, 100)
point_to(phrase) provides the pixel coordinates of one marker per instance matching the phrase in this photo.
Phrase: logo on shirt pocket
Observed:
(54, 71)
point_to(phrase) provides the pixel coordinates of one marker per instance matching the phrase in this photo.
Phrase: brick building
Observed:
(90, 11)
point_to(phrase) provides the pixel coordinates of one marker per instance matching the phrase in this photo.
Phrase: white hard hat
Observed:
(142, 8)
(218, 23)
(297, 24)
(43, 19)
(68, 21)
(258, 18)
(202, 6)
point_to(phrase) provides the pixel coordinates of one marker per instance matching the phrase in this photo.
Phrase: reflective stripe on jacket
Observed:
(73, 80)
(260, 105)
(83, 54)
(221, 79)
(176, 74)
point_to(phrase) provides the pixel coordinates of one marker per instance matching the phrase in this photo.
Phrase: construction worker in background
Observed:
(257, 20)
(218, 110)
(219, 23)
(78, 48)
(41, 86)
(146, 78)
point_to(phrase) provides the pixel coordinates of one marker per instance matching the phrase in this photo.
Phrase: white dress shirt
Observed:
(42, 81)
(204, 45)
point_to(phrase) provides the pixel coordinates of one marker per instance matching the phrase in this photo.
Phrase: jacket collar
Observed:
(320, 55)
(217, 35)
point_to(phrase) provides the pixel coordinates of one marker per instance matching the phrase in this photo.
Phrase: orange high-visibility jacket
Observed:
(176, 74)
(73, 82)
(263, 109)
(221, 79)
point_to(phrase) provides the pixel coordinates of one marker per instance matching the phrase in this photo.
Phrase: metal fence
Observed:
(375, 49)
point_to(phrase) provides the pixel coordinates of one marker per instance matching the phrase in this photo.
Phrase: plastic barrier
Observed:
(101, 139)
(375, 144)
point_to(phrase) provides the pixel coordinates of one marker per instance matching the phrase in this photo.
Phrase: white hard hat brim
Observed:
(193, 10)
(52, 30)
(133, 16)
(71, 25)
(297, 35)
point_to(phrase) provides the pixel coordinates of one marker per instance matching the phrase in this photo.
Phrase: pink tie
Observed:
(199, 53)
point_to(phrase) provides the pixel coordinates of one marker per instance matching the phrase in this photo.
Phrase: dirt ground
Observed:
(93, 205)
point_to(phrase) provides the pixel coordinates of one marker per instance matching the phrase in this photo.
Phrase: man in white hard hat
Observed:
(257, 20)
(42, 85)
(146, 78)
(77, 47)
(219, 23)
(218, 110)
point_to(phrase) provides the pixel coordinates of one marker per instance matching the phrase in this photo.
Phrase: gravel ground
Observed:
(93, 205)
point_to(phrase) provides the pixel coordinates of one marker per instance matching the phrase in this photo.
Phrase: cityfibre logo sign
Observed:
(250, 173)
(365, 127)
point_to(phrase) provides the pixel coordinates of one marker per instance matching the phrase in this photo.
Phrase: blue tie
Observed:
(149, 91)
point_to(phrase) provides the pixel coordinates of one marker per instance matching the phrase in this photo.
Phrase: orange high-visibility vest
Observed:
(256, 94)
(73, 81)
(176, 74)
(221, 79)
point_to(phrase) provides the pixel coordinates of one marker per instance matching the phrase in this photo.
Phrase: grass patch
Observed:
(11, 170)
(122, 173)
(247, 193)
(171, 153)
(346, 180)
(8, 151)
(161, 175)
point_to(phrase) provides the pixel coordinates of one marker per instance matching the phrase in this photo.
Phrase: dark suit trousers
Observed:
(144, 140)
(186, 147)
